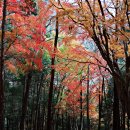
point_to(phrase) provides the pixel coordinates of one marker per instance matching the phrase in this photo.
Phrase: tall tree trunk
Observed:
(123, 118)
(116, 111)
(49, 114)
(100, 104)
(25, 99)
(128, 125)
(37, 107)
(39, 118)
(81, 113)
(56, 120)
(68, 123)
(62, 121)
(39, 104)
(128, 85)
(2, 68)
(44, 110)
(88, 119)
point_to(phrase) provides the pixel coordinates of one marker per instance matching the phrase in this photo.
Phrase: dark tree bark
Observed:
(39, 119)
(56, 121)
(101, 40)
(81, 113)
(49, 114)
(116, 110)
(25, 99)
(81, 107)
(62, 122)
(2, 67)
(88, 119)
(128, 125)
(128, 85)
(37, 106)
(100, 104)
(68, 123)
(123, 118)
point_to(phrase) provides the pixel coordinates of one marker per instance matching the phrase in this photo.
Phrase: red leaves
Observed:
(12, 1)
(27, 35)
(38, 63)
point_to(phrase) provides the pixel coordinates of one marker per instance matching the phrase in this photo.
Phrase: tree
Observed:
(2, 67)
(50, 116)
(65, 64)
(18, 33)
(109, 31)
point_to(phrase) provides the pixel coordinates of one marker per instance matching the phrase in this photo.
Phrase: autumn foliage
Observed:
(80, 48)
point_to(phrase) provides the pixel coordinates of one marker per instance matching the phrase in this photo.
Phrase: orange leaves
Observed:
(117, 48)
(119, 51)
(89, 17)
(11, 36)
(73, 61)
(73, 51)
(11, 67)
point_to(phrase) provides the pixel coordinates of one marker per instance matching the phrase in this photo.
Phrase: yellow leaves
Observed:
(67, 40)
(118, 51)
(116, 48)
(74, 51)
(74, 43)
(89, 30)
(119, 55)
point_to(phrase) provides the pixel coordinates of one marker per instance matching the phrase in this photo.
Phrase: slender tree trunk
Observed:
(7, 123)
(68, 123)
(56, 121)
(49, 114)
(43, 117)
(44, 110)
(99, 118)
(73, 122)
(128, 85)
(81, 114)
(2, 68)
(38, 118)
(128, 125)
(100, 104)
(88, 119)
(36, 108)
(123, 118)
(32, 108)
(25, 99)
(116, 111)
(62, 122)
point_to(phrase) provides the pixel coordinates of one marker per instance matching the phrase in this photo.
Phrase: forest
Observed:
(64, 64)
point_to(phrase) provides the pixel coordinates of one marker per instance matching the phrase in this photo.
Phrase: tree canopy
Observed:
(65, 65)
